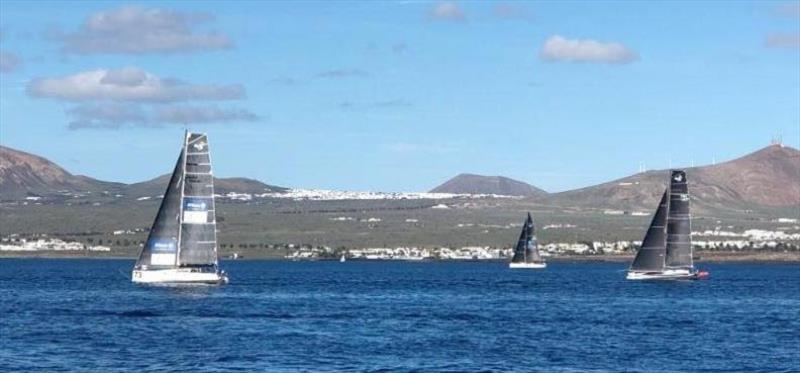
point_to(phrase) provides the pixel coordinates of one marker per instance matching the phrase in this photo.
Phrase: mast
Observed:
(182, 183)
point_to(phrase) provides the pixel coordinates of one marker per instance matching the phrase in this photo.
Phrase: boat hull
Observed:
(527, 265)
(179, 276)
(669, 274)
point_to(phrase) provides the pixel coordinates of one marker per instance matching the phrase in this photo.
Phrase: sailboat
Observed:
(342, 259)
(182, 244)
(666, 251)
(526, 253)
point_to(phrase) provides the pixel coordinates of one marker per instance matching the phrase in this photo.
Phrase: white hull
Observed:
(667, 274)
(178, 276)
(527, 265)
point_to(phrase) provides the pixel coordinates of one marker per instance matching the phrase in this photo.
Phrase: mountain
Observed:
(478, 184)
(157, 186)
(767, 177)
(23, 174)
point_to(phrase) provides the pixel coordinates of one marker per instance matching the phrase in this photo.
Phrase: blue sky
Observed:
(398, 96)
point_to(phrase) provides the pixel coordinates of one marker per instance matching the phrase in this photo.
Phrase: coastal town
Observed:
(756, 240)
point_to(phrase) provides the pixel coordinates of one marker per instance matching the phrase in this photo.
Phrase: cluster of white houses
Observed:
(47, 244)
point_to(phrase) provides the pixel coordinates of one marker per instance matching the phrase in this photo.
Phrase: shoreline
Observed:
(702, 257)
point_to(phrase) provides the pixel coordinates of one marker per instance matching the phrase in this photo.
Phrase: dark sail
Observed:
(650, 256)
(679, 228)
(198, 243)
(161, 246)
(527, 250)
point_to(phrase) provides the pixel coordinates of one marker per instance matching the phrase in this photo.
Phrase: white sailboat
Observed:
(342, 259)
(182, 244)
(526, 253)
(666, 252)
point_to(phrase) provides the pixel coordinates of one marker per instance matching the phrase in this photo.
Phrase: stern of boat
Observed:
(527, 265)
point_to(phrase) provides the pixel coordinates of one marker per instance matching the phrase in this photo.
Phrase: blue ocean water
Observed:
(85, 315)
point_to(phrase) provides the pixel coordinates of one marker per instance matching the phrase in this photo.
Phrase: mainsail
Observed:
(679, 229)
(650, 256)
(527, 251)
(184, 231)
(198, 244)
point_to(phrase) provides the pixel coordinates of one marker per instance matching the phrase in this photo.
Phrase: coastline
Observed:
(701, 257)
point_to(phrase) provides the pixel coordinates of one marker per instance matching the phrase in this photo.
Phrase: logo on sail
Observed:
(678, 177)
(199, 146)
(161, 245)
(194, 204)
(195, 210)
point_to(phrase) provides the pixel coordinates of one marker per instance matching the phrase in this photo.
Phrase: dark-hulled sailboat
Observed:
(526, 252)
(666, 251)
(182, 244)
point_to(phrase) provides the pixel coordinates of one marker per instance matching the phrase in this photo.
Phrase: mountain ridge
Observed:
(466, 183)
(767, 177)
(24, 174)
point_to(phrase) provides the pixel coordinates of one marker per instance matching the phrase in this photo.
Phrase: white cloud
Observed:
(114, 115)
(558, 48)
(791, 41)
(106, 116)
(135, 30)
(127, 84)
(197, 114)
(9, 62)
(446, 11)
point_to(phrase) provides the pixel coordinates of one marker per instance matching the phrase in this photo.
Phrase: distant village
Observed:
(708, 240)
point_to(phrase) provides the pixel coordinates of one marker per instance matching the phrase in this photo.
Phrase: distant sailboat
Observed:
(342, 259)
(666, 251)
(526, 253)
(182, 244)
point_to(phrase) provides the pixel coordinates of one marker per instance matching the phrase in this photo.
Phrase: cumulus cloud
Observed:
(115, 115)
(446, 11)
(9, 62)
(558, 48)
(342, 73)
(127, 84)
(106, 116)
(197, 114)
(791, 41)
(135, 30)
